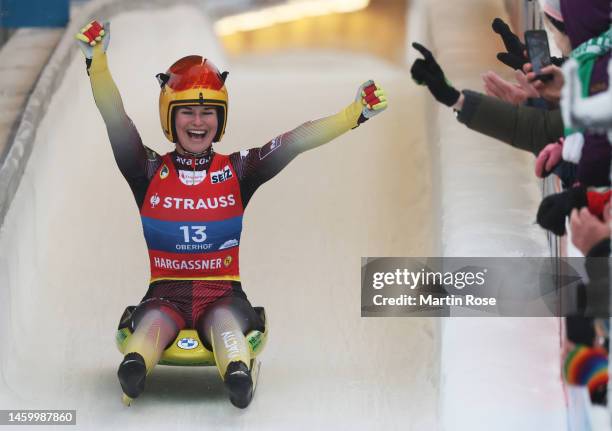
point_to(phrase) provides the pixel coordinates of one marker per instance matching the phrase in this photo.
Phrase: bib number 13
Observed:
(193, 233)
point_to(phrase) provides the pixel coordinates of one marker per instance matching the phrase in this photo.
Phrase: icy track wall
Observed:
(65, 281)
(496, 373)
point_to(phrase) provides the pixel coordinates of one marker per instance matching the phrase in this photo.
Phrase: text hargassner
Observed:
(412, 279)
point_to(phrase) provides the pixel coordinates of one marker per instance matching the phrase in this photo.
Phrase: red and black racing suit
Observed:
(192, 297)
(138, 164)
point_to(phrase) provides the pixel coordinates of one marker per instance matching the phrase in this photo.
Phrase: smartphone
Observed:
(539, 52)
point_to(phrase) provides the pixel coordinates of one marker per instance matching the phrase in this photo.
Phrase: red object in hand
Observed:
(597, 201)
(370, 89)
(370, 98)
(93, 31)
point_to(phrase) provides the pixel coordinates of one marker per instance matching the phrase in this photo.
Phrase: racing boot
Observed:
(239, 383)
(132, 373)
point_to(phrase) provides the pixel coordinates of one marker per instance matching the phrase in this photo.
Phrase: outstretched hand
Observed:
(513, 93)
(427, 71)
(373, 98)
(515, 56)
(93, 34)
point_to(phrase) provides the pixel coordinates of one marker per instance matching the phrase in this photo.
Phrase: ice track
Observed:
(72, 254)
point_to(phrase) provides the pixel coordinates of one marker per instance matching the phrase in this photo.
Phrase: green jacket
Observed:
(524, 127)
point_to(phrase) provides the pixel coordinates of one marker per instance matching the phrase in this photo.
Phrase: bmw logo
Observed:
(187, 343)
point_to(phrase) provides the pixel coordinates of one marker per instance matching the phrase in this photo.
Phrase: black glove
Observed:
(555, 208)
(515, 57)
(557, 61)
(428, 72)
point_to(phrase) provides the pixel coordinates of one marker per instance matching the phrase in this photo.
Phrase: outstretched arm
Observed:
(129, 152)
(529, 129)
(523, 127)
(258, 165)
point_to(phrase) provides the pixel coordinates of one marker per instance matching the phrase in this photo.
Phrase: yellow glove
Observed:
(373, 98)
(91, 35)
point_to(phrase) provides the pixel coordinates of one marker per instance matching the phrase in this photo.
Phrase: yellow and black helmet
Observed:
(192, 80)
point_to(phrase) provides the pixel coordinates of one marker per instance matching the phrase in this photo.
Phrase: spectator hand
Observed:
(515, 55)
(548, 158)
(509, 92)
(521, 78)
(428, 72)
(550, 90)
(93, 34)
(588, 230)
(373, 98)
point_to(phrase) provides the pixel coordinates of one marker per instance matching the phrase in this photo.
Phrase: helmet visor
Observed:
(194, 72)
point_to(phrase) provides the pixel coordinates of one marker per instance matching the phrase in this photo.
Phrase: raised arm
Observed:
(258, 165)
(129, 152)
(529, 129)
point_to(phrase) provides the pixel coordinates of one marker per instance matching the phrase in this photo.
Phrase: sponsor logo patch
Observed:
(191, 178)
(170, 202)
(270, 147)
(190, 161)
(155, 200)
(231, 344)
(187, 343)
(228, 244)
(181, 265)
(163, 173)
(224, 174)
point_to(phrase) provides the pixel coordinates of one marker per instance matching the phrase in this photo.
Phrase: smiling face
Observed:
(196, 127)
